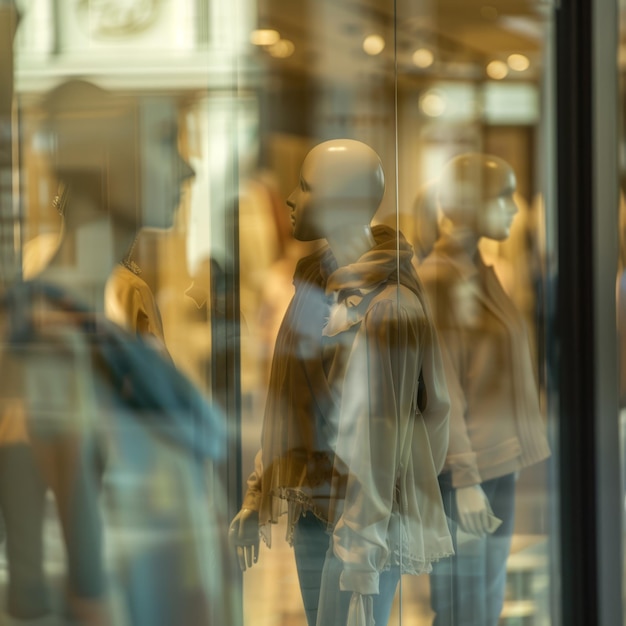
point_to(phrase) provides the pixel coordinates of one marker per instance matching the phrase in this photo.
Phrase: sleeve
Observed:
(380, 387)
(461, 458)
(252, 497)
(436, 404)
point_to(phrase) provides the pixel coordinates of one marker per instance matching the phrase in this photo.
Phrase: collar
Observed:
(467, 267)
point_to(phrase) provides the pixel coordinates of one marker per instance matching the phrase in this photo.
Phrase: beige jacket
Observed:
(345, 436)
(496, 426)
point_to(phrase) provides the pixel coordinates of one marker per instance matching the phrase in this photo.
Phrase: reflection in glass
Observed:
(264, 83)
(100, 418)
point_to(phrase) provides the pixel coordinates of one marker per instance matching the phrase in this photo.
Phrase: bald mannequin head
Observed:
(341, 185)
(475, 192)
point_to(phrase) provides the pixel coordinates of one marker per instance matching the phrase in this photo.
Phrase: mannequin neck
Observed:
(86, 256)
(466, 239)
(350, 243)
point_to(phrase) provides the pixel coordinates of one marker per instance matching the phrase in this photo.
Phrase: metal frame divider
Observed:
(584, 322)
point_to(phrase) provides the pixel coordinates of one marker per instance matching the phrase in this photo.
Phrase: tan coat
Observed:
(496, 426)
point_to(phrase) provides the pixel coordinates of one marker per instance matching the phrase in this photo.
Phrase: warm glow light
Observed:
(264, 37)
(497, 70)
(433, 103)
(373, 44)
(423, 58)
(282, 49)
(518, 62)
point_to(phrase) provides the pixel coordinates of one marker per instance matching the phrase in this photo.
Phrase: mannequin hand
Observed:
(473, 509)
(243, 535)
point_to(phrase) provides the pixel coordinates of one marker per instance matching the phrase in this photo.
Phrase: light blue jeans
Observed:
(468, 588)
(319, 571)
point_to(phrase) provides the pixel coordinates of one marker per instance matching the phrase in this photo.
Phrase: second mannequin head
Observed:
(475, 193)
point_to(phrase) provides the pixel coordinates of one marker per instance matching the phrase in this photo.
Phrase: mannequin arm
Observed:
(243, 536)
(461, 458)
(252, 497)
(435, 400)
(473, 510)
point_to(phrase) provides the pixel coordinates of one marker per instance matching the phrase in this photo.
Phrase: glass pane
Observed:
(421, 84)
(305, 242)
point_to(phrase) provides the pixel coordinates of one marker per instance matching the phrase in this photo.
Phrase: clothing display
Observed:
(496, 426)
(468, 589)
(361, 457)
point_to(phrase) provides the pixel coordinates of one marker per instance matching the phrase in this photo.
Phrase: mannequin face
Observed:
(476, 195)
(341, 186)
(496, 218)
(304, 215)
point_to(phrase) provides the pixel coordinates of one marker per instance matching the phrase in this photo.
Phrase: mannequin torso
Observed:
(496, 427)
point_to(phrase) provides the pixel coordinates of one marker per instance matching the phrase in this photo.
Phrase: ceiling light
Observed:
(497, 70)
(423, 58)
(264, 37)
(282, 49)
(433, 103)
(373, 44)
(518, 62)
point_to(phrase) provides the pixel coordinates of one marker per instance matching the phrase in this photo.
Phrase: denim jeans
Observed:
(468, 588)
(319, 571)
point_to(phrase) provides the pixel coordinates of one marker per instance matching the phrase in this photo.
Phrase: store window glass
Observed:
(275, 334)
(454, 99)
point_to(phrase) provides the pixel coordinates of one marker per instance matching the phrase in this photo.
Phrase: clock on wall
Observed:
(117, 18)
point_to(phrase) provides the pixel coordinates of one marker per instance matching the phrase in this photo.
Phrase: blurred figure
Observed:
(349, 451)
(496, 426)
(22, 503)
(20, 483)
(96, 396)
(128, 300)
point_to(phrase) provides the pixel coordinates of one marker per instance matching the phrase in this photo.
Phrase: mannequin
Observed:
(98, 397)
(496, 428)
(348, 451)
